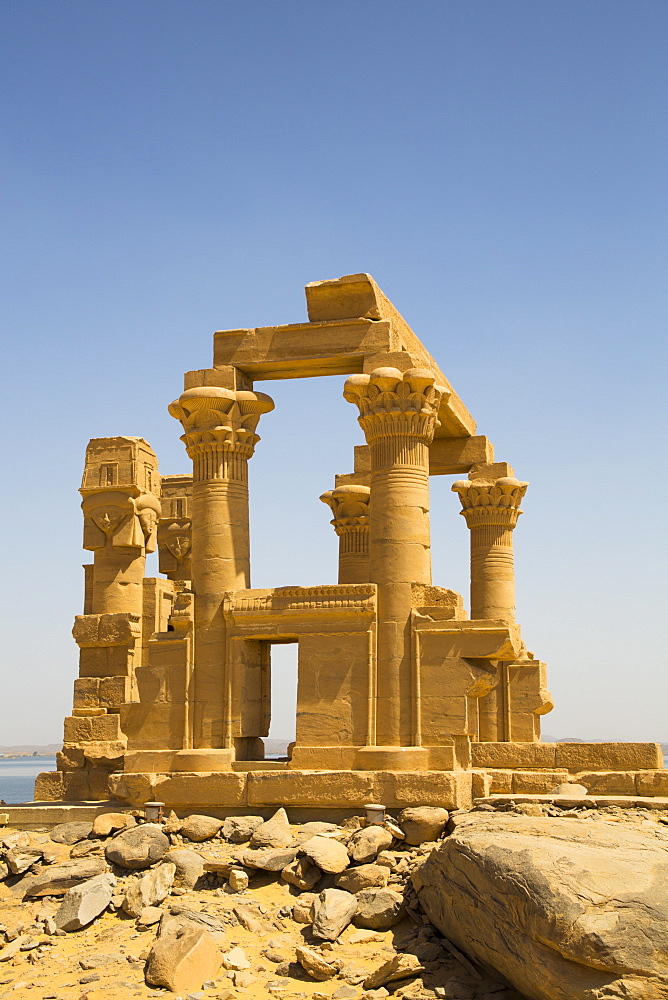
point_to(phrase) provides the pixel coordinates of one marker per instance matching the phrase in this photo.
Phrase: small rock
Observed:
(387, 859)
(327, 854)
(302, 873)
(149, 890)
(378, 994)
(363, 877)
(379, 909)
(70, 833)
(571, 789)
(92, 977)
(243, 979)
(422, 823)
(270, 859)
(240, 829)
(189, 866)
(182, 958)
(401, 966)
(98, 961)
(83, 903)
(363, 936)
(365, 844)
(332, 912)
(238, 880)
(181, 914)
(15, 841)
(13, 948)
(275, 832)
(200, 828)
(172, 823)
(138, 848)
(345, 993)
(108, 823)
(302, 911)
(314, 964)
(149, 915)
(235, 960)
(84, 848)
(273, 955)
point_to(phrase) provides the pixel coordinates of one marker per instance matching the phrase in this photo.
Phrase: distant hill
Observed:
(28, 748)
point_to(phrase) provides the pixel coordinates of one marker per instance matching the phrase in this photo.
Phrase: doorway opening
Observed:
(283, 698)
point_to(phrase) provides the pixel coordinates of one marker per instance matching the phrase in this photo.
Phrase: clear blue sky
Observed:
(172, 168)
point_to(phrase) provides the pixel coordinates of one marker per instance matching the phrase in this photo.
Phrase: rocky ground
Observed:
(212, 909)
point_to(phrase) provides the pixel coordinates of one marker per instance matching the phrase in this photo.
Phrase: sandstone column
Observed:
(121, 513)
(350, 507)
(491, 510)
(398, 414)
(220, 437)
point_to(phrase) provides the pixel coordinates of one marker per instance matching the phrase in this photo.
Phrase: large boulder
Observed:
(150, 889)
(200, 828)
(332, 912)
(564, 909)
(327, 854)
(56, 880)
(240, 829)
(365, 844)
(422, 823)
(182, 958)
(189, 866)
(70, 833)
(275, 832)
(379, 909)
(137, 848)
(82, 904)
(363, 877)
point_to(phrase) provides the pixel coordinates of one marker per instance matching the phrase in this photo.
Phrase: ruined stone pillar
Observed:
(121, 511)
(398, 414)
(491, 510)
(350, 507)
(220, 437)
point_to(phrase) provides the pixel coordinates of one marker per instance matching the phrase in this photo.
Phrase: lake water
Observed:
(17, 777)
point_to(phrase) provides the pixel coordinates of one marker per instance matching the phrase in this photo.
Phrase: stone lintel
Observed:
(485, 639)
(570, 757)
(453, 456)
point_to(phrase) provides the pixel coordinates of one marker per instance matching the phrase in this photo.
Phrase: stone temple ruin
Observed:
(403, 697)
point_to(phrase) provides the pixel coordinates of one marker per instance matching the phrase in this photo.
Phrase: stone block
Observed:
(452, 790)
(652, 783)
(105, 661)
(82, 729)
(608, 782)
(70, 758)
(537, 782)
(338, 789)
(121, 629)
(86, 693)
(216, 790)
(515, 755)
(114, 691)
(135, 789)
(481, 784)
(49, 787)
(609, 756)
(501, 782)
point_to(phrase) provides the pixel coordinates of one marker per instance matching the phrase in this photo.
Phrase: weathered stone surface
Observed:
(363, 877)
(20, 861)
(327, 854)
(315, 828)
(365, 844)
(315, 964)
(270, 859)
(275, 832)
(235, 960)
(189, 867)
(200, 828)
(149, 915)
(379, 909)
(422, 823)
(302, 911)
(564, 910)
(85, 847)
(302, 873)
(402, 966)
(198, 918)
(571, 789)
(57, 879)
(240, 829)
(69, 833)
(82, 904)
(108, 823)
(332, 912)
(138, 848)
(182, 958)
(150, 889)
(237, 880)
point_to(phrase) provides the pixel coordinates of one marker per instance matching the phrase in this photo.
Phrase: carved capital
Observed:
(350, 507)
(495, 503)
(396, 404)
(117, 518)
(219, 426)
(174, 544)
